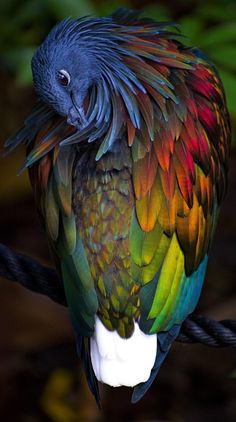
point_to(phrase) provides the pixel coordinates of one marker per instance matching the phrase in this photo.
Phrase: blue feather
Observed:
(164, 342)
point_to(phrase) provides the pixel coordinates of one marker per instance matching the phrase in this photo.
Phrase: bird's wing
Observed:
(179, 177)
(50, 170)
(52, 180)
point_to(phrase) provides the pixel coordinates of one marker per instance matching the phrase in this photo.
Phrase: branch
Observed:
(40, 279)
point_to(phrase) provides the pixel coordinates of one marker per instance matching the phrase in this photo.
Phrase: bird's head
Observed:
(113, 60)
(63, 70)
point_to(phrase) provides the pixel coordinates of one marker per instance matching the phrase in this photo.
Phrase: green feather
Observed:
(69, 233)
(79, 288)
(51, 211)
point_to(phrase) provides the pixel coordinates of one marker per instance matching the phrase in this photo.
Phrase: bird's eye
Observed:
(63, 77)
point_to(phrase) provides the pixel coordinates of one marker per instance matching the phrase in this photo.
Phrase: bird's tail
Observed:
(164, 342)
(132, 362)
(83, 350)
(121, 361)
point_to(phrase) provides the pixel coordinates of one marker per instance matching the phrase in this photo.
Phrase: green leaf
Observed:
(224, 55)
(228, 80)
(105, 8)
(220, 34)
(27, 11)
(6, 7)
(19, 61)
(192, 27)
(74, 8)
(216, 12)
(160, 12)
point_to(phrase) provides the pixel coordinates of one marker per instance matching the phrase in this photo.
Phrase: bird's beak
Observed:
(76, 116)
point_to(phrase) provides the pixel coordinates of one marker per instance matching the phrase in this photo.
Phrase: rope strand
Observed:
(45, 280)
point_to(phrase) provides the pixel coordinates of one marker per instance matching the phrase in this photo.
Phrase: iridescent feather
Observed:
(130, 202)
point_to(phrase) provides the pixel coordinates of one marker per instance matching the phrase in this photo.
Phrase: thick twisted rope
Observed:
(34, 276)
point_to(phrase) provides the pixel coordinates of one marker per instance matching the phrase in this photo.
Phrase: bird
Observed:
(127, 150)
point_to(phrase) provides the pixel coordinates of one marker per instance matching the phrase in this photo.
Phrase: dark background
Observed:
(40, 377)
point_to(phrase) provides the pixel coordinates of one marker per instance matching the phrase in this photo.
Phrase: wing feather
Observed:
(177, 197)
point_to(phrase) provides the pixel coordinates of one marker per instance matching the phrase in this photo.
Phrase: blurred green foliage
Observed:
(56, 400)
(210, 25)
(214, 30)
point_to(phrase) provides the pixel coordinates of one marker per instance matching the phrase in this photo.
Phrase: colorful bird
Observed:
(127, 150)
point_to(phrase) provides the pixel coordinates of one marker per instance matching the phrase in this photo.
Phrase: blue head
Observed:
(64, 67)
(78, 54)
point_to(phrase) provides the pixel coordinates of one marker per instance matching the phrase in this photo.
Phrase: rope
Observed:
(199, 329)
(31, 274)
(38, 278)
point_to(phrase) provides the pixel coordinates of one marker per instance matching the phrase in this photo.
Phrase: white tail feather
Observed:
(117, 361)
